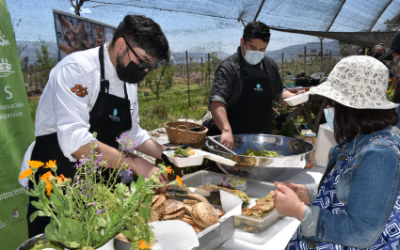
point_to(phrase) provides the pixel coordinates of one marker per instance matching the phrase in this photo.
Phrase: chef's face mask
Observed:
(330, 116)
(253, 57)
(131, 73)
(394, 67)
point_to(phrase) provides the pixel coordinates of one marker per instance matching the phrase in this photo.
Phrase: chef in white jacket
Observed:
(94, 91)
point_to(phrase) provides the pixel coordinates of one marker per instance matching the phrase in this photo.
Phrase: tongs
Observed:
(220, 145)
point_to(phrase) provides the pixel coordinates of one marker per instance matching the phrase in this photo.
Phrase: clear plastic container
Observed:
(312, 138)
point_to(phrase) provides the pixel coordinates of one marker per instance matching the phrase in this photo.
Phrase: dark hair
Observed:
(144, 33)
(349, 122)
(256, 30)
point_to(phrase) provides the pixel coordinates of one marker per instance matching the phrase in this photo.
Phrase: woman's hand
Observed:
(299, 189)
(287, 202)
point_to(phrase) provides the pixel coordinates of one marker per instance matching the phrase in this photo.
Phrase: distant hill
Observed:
(312, 49)
(290, 52)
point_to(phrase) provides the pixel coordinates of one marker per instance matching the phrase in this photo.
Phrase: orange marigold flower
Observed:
(35, 164)
(143, 245)
(169, 170)
(61, 178)
(25, 173)
(179, 180)
(50, 164)
(46, 178)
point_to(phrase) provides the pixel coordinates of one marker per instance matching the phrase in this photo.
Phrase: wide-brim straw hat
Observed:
(358, 82)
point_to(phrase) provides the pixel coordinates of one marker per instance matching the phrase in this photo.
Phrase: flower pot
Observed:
(29, 244)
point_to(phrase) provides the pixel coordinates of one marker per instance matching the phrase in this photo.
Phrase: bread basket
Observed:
(180, 132)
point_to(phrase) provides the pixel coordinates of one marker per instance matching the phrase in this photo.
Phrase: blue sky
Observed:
(190, 32)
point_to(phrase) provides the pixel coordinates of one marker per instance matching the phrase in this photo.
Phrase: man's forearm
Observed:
(151, 148)
(112, 156)
(220, 116)
(285, 94)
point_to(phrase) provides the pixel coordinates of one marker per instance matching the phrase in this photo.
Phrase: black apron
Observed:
(252, 113)
(110, 117)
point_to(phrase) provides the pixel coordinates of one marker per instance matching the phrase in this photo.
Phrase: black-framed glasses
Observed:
(142, 64)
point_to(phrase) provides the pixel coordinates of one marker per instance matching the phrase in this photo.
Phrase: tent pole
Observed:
(259, 10)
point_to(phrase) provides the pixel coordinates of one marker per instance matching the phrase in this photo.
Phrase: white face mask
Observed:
(253, 57)
(330, 116)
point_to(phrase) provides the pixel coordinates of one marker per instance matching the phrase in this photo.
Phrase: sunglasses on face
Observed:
(142, 64)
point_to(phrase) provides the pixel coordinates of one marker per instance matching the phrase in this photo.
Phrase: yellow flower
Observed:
(179, 180)
(169, 170)
(143, 245)
(389, 91)
(35, 164)
(46, 177)
(51, 164)
(25, 173)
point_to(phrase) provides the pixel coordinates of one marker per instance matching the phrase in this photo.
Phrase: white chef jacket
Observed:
(62, 111)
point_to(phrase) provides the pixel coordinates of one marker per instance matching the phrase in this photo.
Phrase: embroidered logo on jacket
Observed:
(114, 116)
(259, 89)
(79, 90)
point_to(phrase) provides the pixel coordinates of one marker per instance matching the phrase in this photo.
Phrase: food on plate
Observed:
(265, 199)
(196, 211)
(175, 215)
(154, 216)
(179, 152)
(240, 194)
(204, 215)
(188, 219)
(263, 152)
(159, 204)
(221, 212)
(197, 228)
(190, 202)
(198, 197)
(172, 206)
(263, 207)
(187, 209)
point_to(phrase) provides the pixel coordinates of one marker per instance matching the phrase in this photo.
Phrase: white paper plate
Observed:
(196, 159)
(297, 99)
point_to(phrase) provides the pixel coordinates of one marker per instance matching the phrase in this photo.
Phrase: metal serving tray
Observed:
(254, 189)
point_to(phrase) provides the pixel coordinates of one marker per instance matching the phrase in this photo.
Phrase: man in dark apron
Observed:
(94, 91)
(245, 85)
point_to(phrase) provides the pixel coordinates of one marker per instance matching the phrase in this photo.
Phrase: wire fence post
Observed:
(187, 73)
(305, 60)
(202, 79)
(209, 70)
(283, 77)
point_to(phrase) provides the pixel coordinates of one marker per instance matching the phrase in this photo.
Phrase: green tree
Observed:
(393, 24)
(208, 67)
(45, 63)
(161, 79)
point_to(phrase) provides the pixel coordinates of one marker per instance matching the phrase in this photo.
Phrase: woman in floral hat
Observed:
(357, 203)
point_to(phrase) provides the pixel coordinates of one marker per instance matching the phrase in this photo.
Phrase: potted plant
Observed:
(89, 210)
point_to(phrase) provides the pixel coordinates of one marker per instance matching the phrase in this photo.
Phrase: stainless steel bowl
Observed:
(296, 154)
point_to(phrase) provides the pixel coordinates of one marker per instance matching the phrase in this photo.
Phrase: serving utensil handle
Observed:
(220, 145)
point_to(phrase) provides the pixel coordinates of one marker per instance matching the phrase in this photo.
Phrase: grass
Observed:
(172, 105)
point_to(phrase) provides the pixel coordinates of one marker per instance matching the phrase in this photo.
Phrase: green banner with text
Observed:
(16, 134)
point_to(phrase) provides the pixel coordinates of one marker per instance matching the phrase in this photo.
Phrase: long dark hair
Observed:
(349, 122)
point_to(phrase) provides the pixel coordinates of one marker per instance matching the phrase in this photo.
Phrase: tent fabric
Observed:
(369, 39)
(345, 20)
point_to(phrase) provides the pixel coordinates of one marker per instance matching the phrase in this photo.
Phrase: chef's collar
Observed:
(110, 72)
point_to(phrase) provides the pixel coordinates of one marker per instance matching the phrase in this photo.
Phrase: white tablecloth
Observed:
(277, 236)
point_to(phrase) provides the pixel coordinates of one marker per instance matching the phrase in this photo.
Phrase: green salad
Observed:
(263, 152)
(179, 152)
